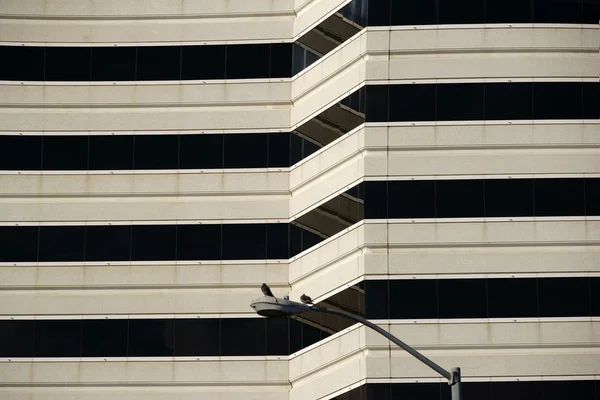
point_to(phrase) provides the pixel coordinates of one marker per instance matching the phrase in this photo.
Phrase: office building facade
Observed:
(431, 165)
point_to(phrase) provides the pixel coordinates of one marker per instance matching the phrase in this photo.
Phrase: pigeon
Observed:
(266, 290)
(305, 299)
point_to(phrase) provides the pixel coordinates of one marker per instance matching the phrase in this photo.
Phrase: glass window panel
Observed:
(251, 343)
(460, 101)
(199, 242)
(17, 338)
(295, 336)
(471, 391)
(310, 335)
(296, 146)
(57, 338)
(508, 11)
(590, 11)
(111, 152)
(462, 298)
(203, 62)
(517, 390)
(281, 60)
(462, 12)
(592, 196)
(150, 337)
(311, 58)
(65, 153)
(376, 299)
(422, 12)
(379, 12)
(559, 197)
(104, 338)
(200, 151)
(298, 59)
(153, 242)
(459, 198)
(310, 239)
(557, 11)
(113, 63)
(277, 336)
(309, 148)
(413, 299)
(20, 153)
(509, 198)
(377, 103)
(156, 63)
(412, 102)
(564, 297)
(62, 243)
(557, 100)
(376, 199)
(373, 391)
(108, 243)
(156, 152)
(591, 100)
(68, 63)
(244, 241)
(563, 390)
(277, 241)
(508, 101)
(512, 298)
(595, 295)
(26, 63)
(295, 240)
(429, 391)
(411, 199)
(237, 154)
(246, 61)
(279, 150)
(18, 243)
(197, 337)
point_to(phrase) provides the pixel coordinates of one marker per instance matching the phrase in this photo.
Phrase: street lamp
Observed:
(273, 307)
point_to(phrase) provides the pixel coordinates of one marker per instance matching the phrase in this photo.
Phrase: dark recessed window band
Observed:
(434, 12)
(482, 298)
(146, 63)
(153, 242)
(520, 390)
(478, 198)
(127, 152)
(482, 101)
(155, 337)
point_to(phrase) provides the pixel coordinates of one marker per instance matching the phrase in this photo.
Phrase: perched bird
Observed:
(266, 290)
(305, 299)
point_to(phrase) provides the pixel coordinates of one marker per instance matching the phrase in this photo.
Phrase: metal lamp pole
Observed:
(276, 307)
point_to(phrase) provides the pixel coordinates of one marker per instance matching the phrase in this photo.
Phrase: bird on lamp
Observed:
(306, 300)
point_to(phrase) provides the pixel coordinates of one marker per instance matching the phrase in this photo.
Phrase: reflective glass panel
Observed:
(104, 338)
(245, 150)
(18, 243)
(246, 61)
(153, 242)
(279, 150)
(557, 100)
(244, 241)
(377, 103)
(197, 337)
(412, 102)
(379, 12)
(17, 338)
(277, 241)
(512, 297)
(508, 11)
(461, 12)
(57, 338)
(591, 100)
(25, 63)
(422, 12)
(151, 337)
(376, 299)
(251, 343)
(65, 153)
(557, 11)
(203, 62)
(281, 60)
(156, 152)
(277, 336)
(376, 199)
(156, 63)
(113, 63)
(20, 153)
(199, 242)
(413, 299)
(111, 152)
(68, 63)
(517, 390)
(508, 101)
(200, 151)
(410, 199)
(62, 243)
(559, 197)
(460, 101)
(459, 198)
(509, 197)
(462, 298)
(108, 243)
(592, 196)
(564, 297)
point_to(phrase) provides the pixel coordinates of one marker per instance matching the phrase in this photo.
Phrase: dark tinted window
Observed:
(17, 338)
(150, 337)
(156, 152)
(246, 61)
(512, 298)
(295, 240)
(68, 63)
(592, 196)
(379, 13)
(591, 100)
(566, 11)
(153, 242)
(281, 60)
(108, 243)
(591, 11)
(415, 391)
(62, 243)
(463, 12)
(377, 103)
(508, 101)
(564, 297)
(251, 343)
(199, 242)
(422, 12)
(197, 337)
(310, 239)
(557, 100)
(203, 62)
(296, 149)
(279, 150)
(244, 241)
(376, 299)
(462, 298)
(413, 299)
(509, 197)
(57, 338)
(459, 198)
(158, 63)
(246, 150)
(18, 244)
(595, 294)
(200, 151)
(298, 56)
(113, 63)
(561, 390)
(559, 197)
(20, 153)
(411, 199)
(277, 336)
(460, 102)
(508, 11)
(295, 336)
(376, 199)
(412, 102)
(104, 338)
(517, 390)
(22, 63)
(111, 152)
(471, 391)
(65, 153)
(277, 241)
